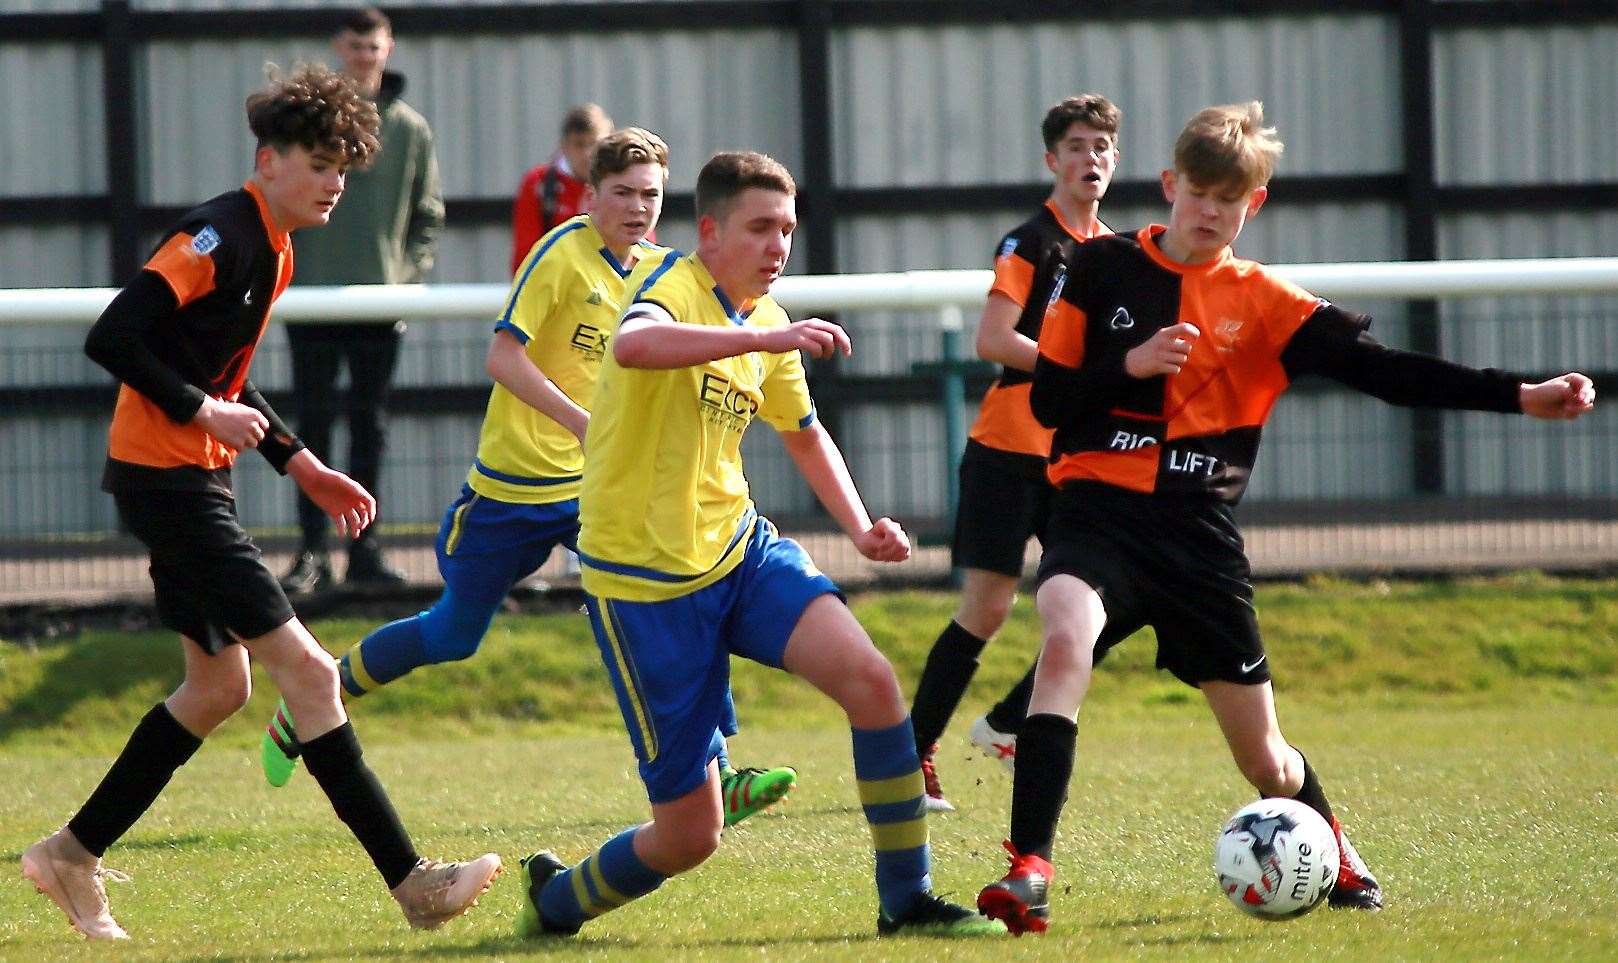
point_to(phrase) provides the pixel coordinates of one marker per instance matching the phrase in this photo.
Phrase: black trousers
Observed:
(318, 353)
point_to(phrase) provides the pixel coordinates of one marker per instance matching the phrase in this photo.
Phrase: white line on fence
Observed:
(893, 291)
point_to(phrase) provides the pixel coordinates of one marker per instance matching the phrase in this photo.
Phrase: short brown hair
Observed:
(727, 174)
(1092, 110)
(1228, 146)
(622, 149)
(586, 119)
(317, 109)
(366, 20)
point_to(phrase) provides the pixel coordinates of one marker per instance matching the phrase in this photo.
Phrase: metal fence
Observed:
(1344, 482)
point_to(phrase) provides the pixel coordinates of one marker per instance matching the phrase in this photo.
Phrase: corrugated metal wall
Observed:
(950, 105)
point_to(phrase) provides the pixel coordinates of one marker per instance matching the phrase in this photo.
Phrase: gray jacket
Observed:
(385, 227)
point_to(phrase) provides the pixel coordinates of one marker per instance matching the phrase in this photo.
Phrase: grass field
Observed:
(1467, 732)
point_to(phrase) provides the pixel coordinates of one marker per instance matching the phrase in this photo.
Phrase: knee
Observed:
(983, 617)
(691, 849)
(209, 702)
(1267, 772)
(1067, 649)
(318, 675)
(870, 680)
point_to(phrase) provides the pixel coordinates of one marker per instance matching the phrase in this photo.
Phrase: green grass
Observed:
(1467, 731)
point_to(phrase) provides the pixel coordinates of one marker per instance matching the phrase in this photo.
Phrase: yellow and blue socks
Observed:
(607, 879)
(888, 771)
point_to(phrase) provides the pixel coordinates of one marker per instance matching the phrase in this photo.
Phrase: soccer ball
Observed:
(1276, 859)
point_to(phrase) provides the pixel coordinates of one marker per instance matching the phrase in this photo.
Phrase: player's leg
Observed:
(430, 892)
(206, 574)
(828, 648)
(373, 352)
(751, 789)
(315, 364)
(986, 599)
(671, 680)
(1246, 715)
(995, 732)
(999, 510)
(66, 866)
(484, 548)
(1072, 618)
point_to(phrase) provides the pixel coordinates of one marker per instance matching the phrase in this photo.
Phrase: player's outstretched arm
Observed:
(651, 338)
(1562, 398)
(350, 507)
(1336, 344)
(821, 463)
(509, 364)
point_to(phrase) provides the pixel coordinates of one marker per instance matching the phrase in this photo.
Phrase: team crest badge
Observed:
(206, 240)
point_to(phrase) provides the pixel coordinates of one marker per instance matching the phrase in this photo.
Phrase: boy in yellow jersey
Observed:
(680, 571)
(521, 495)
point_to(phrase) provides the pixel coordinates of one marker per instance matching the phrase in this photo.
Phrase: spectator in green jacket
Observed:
(384, 233)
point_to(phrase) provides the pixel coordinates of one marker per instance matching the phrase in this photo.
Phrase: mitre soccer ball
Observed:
(1276, 859)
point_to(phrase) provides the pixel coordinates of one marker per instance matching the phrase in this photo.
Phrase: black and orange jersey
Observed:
(1197, 432)
(1029, 266)
(187, 328)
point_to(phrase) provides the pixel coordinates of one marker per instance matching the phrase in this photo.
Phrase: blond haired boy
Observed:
(1158, 366)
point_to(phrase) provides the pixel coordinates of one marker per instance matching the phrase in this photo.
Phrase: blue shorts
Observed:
(670, 661)
(485, 546)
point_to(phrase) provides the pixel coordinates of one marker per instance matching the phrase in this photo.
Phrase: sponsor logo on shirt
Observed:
(1057, 284)
(206, 240)
(1007, 246)
(1121, 320)
(589, 340)
(725, 404)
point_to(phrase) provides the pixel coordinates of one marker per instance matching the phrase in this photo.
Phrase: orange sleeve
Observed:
(1061, 335)
(1013, 278)
(185, 263)
(1290, 306)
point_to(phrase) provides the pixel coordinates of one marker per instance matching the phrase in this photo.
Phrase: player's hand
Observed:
(818, 337)
(1563, 398)
(884, 541)
(235, 424)
(1164, 353)
(344, 500)
(578, 426)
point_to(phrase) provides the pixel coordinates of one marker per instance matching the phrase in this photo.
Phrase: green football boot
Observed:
(931, 916)
(749, 791)
(279, 749)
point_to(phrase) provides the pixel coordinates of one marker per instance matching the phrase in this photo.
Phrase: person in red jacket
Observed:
(554, 191)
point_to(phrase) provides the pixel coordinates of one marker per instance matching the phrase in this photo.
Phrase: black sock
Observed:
(336, 761)
(1039, 790)
(1008, 714)
(1310, 793)
(158, 746)
(949, 669)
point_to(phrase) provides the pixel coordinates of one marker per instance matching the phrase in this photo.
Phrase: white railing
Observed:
(893, 291)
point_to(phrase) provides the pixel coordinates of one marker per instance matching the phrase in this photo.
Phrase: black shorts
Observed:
(1177, 565)
(1005, 500)
(212, 586)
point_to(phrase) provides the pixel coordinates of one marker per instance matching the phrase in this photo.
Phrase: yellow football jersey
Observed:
(564, 302)
(665, 507)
